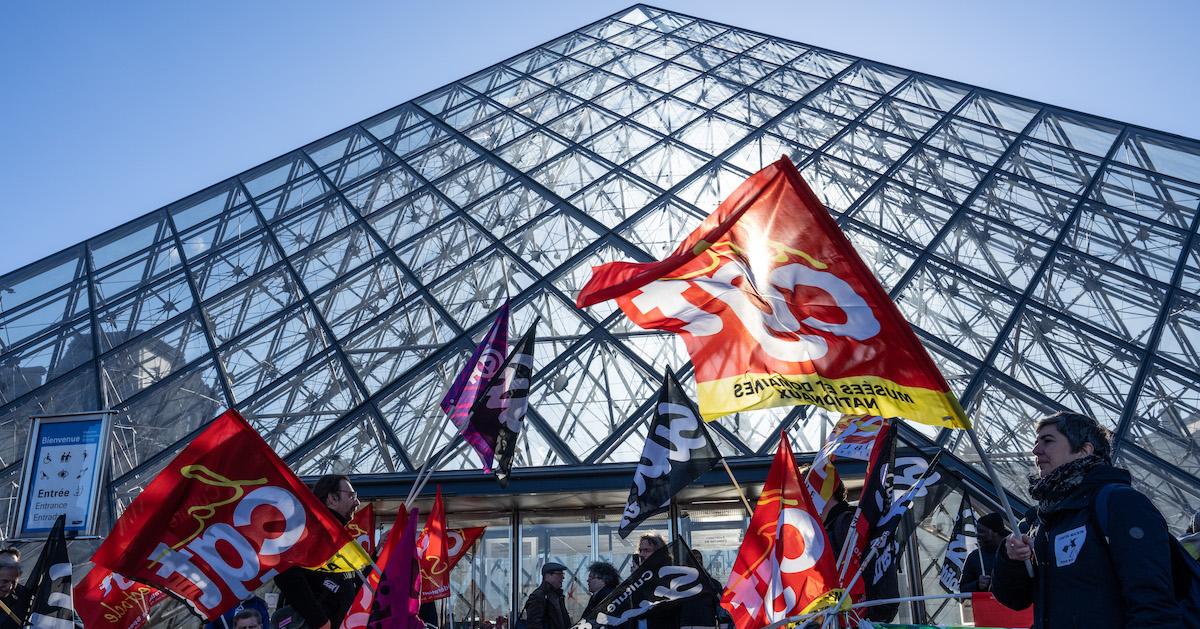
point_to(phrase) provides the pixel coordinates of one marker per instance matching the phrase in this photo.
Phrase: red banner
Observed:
(776, 309)
(458, 542)
(362, 528)
(785, 566)
(432, 547)
(222, 519)
(106, 600)
(852, 439)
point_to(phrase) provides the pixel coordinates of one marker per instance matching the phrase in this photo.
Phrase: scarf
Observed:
(1050, 490)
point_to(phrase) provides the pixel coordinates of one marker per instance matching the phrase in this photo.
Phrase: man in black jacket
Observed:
(980, 565)
(546, 607)
(324, 598)
(1080, 578)
(602, 580)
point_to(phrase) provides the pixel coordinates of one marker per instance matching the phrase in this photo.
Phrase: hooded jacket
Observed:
(1082, 580)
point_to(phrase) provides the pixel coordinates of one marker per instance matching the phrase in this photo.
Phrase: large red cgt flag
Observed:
(777, 309)
(785, 566)
(223, 518)
(107, 600)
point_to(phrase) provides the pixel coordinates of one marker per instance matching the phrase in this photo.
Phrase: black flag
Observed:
(963, 541)
(915, 485)
(678, 450)
(50, 583)
(654, 584)
(500, 410)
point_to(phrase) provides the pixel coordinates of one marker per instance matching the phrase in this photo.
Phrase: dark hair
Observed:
(655, 540)
(1080, 429)
(248, 613)
(329, 484)
(11, 550)
(839, 491)
(605, 571)
(994, 521)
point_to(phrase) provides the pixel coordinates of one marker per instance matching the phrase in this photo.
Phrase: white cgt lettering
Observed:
(282, 501)
(247, 569)
(861, 324)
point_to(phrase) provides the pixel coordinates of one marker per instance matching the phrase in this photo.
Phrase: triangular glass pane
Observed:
(382, 351)
(359, 448)
(293, 409)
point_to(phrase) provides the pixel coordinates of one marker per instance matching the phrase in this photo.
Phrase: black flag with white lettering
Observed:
(914, 486)
(678, 450)
(964, 540)
(656, 583)
(500, 410)
(50, 583)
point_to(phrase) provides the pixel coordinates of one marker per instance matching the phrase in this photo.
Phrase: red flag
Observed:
(223, 518)
(362, 528)
(776, 308)
(458, 542)
(785, 566)
(433, 547)
(107, 600)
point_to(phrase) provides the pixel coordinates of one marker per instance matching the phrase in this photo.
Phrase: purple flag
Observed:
(499, 412)
(474, 378)
(397, 599)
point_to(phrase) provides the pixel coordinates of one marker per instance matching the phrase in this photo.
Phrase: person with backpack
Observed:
(1081, 576)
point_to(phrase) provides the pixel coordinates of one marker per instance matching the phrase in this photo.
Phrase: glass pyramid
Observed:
(1047, 258)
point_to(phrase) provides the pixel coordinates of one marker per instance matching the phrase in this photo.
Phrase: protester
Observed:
(546, 607)
(658, 618)
(838, 518)
(323, 598)
(702, 613)
(227, 620)
(981, 563)
(601, 581)
(15, 602)
(249, 618)
(1080, 579)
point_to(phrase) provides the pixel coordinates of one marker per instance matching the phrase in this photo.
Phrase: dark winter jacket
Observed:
(702, 612)
(319, 597)
(546, 608)
(837, 525)
(972, 570)
(596, 598)
(1080, 580)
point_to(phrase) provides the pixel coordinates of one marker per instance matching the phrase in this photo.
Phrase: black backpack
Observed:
(1185, 570)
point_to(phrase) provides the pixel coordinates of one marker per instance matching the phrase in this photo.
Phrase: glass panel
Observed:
(406, 218)
(269, 352)
(382, 190)
(824, 64)
(1180, 339)
(932, 93)
(1068, 365)
(1031, 207)
(589, 395)
(666, 164)
(1120, 302)
(660, 230)
(1141, 246)
(764, 150)
(1164, 422)
(481, 583)
(295, 408)
(973, 141)
(569, 173)
(807, 126)
(441, 249)
(941, 174)
(1000, 253)
(621, 142)
(1076, 131)
(998, 111)
(480, 286)
(1148, 195)
(868, 148)
(363, 295)
(34, 298)
(1169, 156)
(387, 125)
(388, 347)
(1175, 499)
(358, 448)
(874, 78)
(153, 356)
(713, 134)
(905, 213)
(960, 312)
(550, 241)
(73, 393)
(254, 301)
(509, 208)
(233, 265)
(582, 123)
(145, 309)
(1060, 168)
(613, 199)
(29, 367)
(837, 184)
(565, 539)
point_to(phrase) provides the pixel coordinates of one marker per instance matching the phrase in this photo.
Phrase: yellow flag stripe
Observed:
(860, 395)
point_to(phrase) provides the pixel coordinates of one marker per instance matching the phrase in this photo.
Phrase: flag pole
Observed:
(850, 586)
(1000, 492)
(741, 494)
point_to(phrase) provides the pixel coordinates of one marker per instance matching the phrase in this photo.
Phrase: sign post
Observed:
(62, 471)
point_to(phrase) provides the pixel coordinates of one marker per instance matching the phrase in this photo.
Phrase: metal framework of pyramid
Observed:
(1047, 258)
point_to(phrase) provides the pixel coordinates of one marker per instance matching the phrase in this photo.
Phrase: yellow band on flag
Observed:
(860, 395)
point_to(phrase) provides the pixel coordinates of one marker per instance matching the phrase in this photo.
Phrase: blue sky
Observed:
(111, 110)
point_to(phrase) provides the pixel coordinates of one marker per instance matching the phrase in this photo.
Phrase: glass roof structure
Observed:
(1047, 258)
